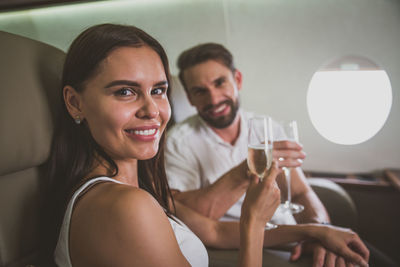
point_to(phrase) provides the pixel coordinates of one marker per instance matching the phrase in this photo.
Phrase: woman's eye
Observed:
(158, 91)
(124, 92)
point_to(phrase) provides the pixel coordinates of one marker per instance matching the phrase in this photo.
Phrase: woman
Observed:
(107, 163)
(109, 192)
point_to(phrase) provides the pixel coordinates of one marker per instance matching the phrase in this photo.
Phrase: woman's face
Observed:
(125, 104)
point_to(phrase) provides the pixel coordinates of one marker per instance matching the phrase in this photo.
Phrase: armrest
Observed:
(342, 212)
(271, 258)
(337, 201)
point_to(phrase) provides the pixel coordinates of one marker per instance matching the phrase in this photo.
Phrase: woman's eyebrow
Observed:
(121, 82)
(161, 83)
(131, 83)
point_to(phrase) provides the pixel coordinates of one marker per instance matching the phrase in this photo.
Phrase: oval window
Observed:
(349, 100)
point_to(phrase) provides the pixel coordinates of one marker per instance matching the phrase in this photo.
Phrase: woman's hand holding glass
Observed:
(260, 145)
(262, 197)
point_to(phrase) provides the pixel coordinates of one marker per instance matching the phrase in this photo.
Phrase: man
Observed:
(206, 154)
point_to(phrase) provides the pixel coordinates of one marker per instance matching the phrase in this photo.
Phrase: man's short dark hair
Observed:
(201, 53)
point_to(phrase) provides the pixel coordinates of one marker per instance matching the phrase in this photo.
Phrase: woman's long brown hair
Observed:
(74, 151)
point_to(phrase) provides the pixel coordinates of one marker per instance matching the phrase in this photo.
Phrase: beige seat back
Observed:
(30, 74)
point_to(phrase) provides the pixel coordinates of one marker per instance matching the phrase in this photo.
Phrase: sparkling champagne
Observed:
(258, 160)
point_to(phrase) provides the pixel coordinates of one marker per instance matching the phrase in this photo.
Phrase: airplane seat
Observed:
(337, 201)
(30, 75)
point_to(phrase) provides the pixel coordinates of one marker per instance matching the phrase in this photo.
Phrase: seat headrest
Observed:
(30, 75)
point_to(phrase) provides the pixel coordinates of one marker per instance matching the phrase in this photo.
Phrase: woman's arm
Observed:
(227, 235)
(262, 199)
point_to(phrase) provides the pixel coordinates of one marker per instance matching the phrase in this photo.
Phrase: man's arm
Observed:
(290, 154)
(214, 200)
(226, 235)
(302, 193)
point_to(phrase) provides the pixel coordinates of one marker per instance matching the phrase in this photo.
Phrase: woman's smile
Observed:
(144, 133)
(126, 105)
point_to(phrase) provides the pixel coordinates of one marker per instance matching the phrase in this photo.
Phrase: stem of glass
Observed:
(289, 194)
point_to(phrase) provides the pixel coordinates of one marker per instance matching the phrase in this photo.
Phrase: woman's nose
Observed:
(149, 108)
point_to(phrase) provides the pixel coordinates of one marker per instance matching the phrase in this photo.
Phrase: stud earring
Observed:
(78, 120)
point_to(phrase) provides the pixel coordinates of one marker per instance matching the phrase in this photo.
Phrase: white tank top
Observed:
(191, 246)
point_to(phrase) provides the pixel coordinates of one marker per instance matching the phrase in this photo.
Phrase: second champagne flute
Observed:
(260, 142)
(290, 132)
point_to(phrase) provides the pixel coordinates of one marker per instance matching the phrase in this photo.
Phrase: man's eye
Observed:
(199, 92)
(124, 92)
(219, 82)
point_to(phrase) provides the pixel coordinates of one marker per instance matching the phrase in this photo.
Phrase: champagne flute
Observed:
(260, 144)
(290, 133)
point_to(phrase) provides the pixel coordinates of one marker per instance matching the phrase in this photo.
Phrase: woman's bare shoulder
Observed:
(109, 204)
(122, 196)
(118, 220)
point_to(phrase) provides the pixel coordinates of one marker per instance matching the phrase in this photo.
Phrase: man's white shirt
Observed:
(195, 157)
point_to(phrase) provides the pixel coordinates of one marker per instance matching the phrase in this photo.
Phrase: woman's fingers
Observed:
(272, 173)
(358, 246)
(262, 197)
(353, 256)
(345, 243)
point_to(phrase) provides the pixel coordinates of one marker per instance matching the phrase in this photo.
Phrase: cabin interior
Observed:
(284, 50)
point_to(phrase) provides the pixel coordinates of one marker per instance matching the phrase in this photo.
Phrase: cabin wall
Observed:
(277, 44)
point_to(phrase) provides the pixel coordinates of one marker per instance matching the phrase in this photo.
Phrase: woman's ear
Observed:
(73, 102)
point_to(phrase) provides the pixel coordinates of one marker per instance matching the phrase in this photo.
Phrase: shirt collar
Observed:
(211, 135)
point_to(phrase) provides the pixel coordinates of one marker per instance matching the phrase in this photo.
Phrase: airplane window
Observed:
(349, 100)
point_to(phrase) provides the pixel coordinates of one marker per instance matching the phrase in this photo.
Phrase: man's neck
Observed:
(231, 133)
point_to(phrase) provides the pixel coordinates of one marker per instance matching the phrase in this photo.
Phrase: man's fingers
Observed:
(296, 252)
(289, 158)
(286, 144)
(330, 259)
(290, 163)
(319, 257)
(293, 154)
(340, 262)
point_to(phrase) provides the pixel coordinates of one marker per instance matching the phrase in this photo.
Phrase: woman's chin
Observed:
(148, 154)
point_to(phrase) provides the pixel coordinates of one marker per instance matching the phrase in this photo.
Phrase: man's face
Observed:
(213, 89)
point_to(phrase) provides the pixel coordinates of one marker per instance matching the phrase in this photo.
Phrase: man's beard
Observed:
(222, 121)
